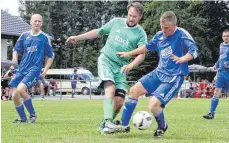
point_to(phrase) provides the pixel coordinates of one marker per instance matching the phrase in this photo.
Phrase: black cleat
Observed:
(160, 132)
(32, 118)
(20, 121)
(209, 116)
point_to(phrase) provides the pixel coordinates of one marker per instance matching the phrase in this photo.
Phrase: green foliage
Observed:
(77, 121)
(204, 20)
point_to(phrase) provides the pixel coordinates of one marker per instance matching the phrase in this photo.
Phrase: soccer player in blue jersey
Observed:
(175, 47)
(222, 66)
(74, 78)
(34, 45)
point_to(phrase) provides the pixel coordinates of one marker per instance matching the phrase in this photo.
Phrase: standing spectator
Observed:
(74, 78)
(7, 77)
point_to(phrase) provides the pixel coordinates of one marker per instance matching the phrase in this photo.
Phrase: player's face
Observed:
(133, 16)
(225, 37)
(167, 28)
(36, 22)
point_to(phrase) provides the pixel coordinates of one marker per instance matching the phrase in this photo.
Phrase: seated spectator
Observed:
(35, 89)
(53, 86)
(186, 89)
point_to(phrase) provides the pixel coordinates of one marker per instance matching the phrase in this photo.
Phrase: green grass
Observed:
(76, 121)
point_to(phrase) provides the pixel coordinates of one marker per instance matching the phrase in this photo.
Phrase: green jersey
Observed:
(121, 39)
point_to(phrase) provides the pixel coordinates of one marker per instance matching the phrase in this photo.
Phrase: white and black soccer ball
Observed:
(142, 120)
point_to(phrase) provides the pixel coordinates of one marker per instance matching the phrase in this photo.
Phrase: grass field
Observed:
(76, 121)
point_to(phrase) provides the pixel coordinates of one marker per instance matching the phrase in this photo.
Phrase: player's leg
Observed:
(26, 83)
(162, 95)
(217, 93)
(136, 91)
(42, 92)
(121, 86)
(118, 101)
(107, 77)
(73, 84)
(146, 84)
(17, 99)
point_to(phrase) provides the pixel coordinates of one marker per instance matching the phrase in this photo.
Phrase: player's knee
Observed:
(217, 92)
(121, 94)
(155, 105)
(134, 92)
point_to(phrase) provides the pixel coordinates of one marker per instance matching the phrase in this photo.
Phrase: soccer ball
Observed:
(142, 120)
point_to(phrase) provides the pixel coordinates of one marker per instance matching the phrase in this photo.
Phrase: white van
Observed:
(86, 83)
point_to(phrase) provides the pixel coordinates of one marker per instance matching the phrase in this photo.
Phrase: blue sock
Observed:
(29, 106)
(128, 110)
(214, 103)
(160, 120)
(21, 112)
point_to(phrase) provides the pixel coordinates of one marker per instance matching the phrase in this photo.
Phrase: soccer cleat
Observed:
(209, 116)
(32, 118)
(111, 127)
(116, 122)
(20, 121)
(160, 132)
(124, 129)
(101, 126)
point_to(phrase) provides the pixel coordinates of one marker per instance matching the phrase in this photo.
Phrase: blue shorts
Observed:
(27, 79)
(161, 86)
(73, 84)
(222, 80)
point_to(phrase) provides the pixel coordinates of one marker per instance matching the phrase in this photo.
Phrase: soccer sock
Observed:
(29, 106)
(128, 110)
(21, 112)
(160, 120)
(214, 103)
(108, 108)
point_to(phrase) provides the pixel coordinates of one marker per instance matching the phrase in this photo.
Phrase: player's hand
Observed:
(226, 65)
(214, 67)
(72, 40)
(43, 74)
(123, 54)
(126, 68)
(177, 59)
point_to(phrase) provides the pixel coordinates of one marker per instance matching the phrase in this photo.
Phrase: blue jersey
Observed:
(179, 44)
(223, 57)
(74, 76)
(34, 49)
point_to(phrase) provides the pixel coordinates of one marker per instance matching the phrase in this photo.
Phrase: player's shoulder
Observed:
(184, 33)
(159, 35)
(25, 34)
(118, 19)
(45, 35)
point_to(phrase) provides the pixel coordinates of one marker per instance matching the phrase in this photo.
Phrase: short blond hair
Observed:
(169, 17)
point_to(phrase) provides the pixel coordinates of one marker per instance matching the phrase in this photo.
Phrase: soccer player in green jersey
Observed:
(124, 35)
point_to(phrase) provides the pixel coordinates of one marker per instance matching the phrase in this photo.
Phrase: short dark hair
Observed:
(138, 6)
(75, 70)
(226, 30)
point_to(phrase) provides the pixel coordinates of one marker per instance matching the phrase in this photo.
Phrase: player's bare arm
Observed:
(89, 35)
(138, 51)
(126, 68)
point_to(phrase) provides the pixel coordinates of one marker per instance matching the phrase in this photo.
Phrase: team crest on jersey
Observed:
(32, 49)
(166, 52)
